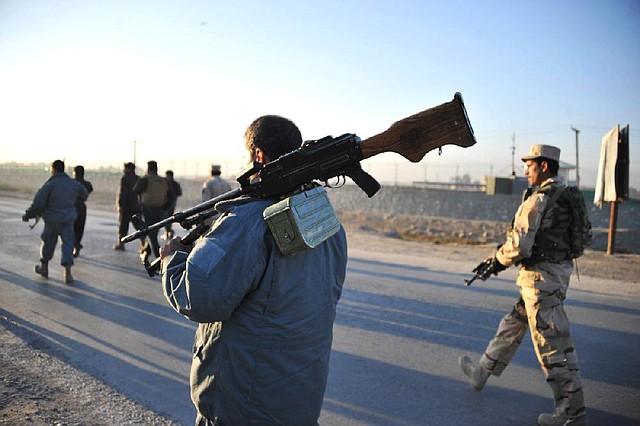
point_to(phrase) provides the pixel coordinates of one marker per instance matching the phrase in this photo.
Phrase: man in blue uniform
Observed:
(56, 202)
(261, 351)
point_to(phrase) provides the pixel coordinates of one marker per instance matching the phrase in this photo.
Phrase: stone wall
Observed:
(462, 205)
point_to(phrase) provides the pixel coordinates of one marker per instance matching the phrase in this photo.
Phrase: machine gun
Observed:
(323, 159)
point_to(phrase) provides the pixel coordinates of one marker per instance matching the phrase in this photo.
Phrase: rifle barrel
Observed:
(183, 215)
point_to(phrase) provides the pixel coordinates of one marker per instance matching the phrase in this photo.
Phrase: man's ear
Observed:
(544, 166)
(260, 156)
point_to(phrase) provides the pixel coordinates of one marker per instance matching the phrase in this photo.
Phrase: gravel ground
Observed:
(37, 388)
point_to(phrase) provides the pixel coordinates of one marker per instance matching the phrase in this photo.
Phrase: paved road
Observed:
(402, 323)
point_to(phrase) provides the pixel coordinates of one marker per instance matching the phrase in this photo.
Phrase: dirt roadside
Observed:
(38, 388)
(474, 240)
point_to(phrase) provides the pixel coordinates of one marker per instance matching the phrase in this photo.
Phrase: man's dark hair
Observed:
(553, 165)
(58, 166)
(152, 166)
(129, 166)
(169, 173)
(274, 135)
(79, 171)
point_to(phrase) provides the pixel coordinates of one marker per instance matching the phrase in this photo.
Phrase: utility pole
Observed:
(513, 155)
(134, 152)
(577, 159)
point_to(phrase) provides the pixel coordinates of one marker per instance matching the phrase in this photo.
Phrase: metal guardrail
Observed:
(452, 186)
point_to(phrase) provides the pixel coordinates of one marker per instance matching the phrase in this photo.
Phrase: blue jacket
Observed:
(56, 200)
(261, 351)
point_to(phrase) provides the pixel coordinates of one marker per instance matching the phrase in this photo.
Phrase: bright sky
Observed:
(82, 79)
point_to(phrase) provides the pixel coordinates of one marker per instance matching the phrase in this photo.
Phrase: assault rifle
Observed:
(488, 267)
(480, 272)
(327, 158)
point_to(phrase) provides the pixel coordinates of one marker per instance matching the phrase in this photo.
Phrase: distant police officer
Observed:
(214, 187)
(537, 243)
(56, 202)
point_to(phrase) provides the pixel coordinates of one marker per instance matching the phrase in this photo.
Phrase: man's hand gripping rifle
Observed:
(327, 158)
(484, 270)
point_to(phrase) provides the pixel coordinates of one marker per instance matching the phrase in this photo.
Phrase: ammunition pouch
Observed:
(548, 250)
(302, 221)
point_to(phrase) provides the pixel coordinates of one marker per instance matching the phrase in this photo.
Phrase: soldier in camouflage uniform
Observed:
(543, 279)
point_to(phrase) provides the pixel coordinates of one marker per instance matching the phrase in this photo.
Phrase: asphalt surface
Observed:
(403, 321)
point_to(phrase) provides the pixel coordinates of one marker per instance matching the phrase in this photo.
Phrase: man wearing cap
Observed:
(214, 187)
(543, 280)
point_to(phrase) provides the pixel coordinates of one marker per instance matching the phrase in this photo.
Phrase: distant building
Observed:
(511, 185)
(563, 173)
(514, 185)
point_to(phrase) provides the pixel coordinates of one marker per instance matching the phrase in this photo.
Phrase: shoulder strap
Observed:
(554, 197)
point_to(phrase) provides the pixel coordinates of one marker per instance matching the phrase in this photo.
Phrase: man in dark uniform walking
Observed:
(81, 208)
(126, 202)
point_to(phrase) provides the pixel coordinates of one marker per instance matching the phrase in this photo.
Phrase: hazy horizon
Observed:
(84, 80)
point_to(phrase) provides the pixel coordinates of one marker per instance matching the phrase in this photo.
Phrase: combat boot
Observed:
(477, 375)
(66, 275)
(119, 246)
(546, 419)
(43, 269)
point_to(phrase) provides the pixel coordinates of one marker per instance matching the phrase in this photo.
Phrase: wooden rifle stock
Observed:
(413, 137)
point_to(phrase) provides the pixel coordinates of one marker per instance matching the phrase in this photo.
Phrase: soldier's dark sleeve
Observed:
(171, 196)
(140, 185)
(121, 194)
(83, 194)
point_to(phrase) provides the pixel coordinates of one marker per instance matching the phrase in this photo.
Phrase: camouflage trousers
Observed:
(540, 309)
